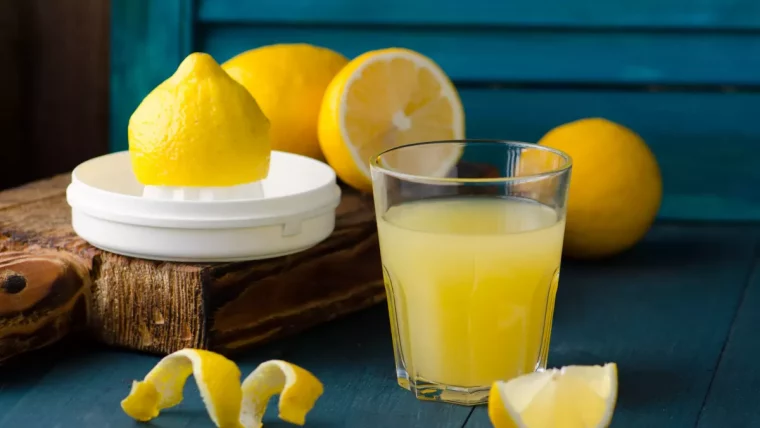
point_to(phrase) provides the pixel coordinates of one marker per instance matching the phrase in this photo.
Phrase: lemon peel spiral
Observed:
(228, 403)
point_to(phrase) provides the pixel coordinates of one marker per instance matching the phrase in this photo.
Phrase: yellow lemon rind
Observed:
(163, 385)
(199, 128)
(298, 390)
(228, 403)
(288, 81)
(616, 188)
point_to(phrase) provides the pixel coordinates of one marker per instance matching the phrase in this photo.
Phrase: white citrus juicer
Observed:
(253, 190)
(290, 210)
(195, 185)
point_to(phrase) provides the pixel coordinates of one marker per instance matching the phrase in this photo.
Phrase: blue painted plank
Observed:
(352, 356)
(704, 14)
(706, 143)
(544, 56)
(661, 312)
(354, 359)
(83, 390)
(148, 40)
(689, 132)
(735, 390)
(20, 376)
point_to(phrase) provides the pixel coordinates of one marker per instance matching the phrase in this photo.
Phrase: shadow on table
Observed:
(34, 364)
(662, 311)
(671, 246)
(310, 423)
(636, 389)
(176, 418)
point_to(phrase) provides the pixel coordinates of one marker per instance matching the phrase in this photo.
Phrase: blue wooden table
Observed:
(679, 314)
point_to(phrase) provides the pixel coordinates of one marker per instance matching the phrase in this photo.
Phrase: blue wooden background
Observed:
(684, 74)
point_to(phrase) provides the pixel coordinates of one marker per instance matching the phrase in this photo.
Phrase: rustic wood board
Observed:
(52, 282)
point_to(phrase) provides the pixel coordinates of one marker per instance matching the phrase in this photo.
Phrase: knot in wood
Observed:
(12, 282)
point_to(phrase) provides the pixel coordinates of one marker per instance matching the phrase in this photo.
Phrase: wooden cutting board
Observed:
(53, 283)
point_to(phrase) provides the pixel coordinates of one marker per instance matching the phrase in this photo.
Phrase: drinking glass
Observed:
(470, 241)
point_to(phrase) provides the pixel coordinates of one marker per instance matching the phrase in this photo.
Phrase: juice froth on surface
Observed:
(471, 285)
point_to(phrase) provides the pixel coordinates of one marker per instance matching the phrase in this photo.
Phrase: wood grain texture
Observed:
(687, 129)
(61, 63)
(53, 86)
(12, 170)
(43, 296)
(686, 14)
(18, 377)
(662, 311)
(671, 71)
(351, 356)
(162, 307)
(534, 57)
(736, 385)
(689, 133)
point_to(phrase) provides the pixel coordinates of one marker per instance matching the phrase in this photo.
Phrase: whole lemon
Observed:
(615, 187)
(288, 81)
(199, 128)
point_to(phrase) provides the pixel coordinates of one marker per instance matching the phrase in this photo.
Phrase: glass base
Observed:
(432, 391)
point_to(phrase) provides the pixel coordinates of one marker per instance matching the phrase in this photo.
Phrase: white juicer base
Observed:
(108, 210)
(176, 245)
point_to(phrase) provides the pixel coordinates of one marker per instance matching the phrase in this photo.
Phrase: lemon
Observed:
(573, 396)
(218, 381)
(387, 98)
(615, 189)
(199, 128)
(229, 404)
(298, 390)
(288, 81)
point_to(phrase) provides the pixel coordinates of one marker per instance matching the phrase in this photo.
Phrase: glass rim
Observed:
(429, 179)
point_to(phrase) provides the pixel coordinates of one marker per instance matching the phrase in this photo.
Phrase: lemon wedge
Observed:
(570, 397)
(229, 405)
(387, 98)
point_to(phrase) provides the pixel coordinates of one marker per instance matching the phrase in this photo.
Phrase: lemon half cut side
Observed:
(384, 99)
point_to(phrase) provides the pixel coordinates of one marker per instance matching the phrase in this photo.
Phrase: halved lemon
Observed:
(384, 99)
(570, 397)
(228, 403)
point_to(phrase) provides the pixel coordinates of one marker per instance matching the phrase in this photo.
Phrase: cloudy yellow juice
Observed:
(471, 286)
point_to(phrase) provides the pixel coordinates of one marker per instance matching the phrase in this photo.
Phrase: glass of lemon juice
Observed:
(471, 239)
